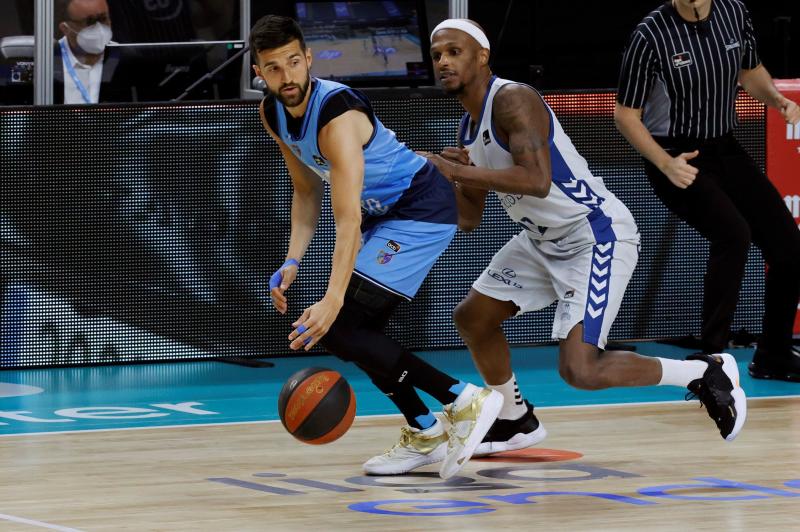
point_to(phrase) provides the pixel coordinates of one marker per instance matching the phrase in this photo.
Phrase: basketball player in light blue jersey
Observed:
(578, 247)
(395, 214)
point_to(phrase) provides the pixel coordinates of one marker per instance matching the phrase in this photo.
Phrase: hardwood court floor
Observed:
(639, 470)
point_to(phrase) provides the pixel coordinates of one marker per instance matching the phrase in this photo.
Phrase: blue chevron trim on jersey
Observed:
(597, 295)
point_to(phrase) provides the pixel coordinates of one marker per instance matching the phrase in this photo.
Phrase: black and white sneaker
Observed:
(719, 391)
(512, 434)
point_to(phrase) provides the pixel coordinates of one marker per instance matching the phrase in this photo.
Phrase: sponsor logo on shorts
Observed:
(569, 294)
(320, 161)
(505, 279)
(566, 315)
(486, 138)
(384, 258)
(394, 246)
(508, 272)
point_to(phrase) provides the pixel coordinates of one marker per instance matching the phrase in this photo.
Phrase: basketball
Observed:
(317, 405)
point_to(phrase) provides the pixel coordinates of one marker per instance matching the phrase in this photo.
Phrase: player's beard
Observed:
(454, 91)
(296, 100)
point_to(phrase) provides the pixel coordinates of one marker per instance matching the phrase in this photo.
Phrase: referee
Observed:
(675, 105)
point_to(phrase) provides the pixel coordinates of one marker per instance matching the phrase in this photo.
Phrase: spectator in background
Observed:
(83, 68)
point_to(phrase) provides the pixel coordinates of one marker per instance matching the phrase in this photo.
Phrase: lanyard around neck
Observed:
(73, 74)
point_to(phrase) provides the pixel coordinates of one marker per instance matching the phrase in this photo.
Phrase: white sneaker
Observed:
(416, 448)
(471, 415)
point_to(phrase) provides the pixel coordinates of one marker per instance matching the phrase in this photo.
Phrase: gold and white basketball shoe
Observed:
(415, 449)
(470, 416)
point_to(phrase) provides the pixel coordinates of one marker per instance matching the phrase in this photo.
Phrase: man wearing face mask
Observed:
(83, 69)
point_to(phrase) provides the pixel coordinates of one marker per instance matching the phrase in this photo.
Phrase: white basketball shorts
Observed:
(588, 281)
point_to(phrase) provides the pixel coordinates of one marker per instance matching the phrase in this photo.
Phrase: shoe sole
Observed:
(436, 456)
(489, 411)
(521, 440)
(731, 369)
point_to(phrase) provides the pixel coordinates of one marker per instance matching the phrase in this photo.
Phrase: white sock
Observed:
(680, 372)
(434, 430)
(513, 406)
(465, 395)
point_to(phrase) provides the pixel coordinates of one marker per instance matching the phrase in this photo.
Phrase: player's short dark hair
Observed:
(274, 31)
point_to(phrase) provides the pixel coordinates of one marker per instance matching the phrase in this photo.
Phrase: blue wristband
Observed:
(276, 278)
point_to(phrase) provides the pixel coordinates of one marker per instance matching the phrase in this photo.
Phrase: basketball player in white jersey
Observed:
(578, 246)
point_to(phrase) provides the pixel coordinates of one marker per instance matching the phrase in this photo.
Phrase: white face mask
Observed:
(93, 39)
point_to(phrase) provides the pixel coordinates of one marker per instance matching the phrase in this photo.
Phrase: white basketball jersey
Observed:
(578, 202)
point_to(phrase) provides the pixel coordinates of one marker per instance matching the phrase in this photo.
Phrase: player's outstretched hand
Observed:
(679, 171)
(315, 323)
(280, 281)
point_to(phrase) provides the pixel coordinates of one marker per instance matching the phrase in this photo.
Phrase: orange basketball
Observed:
(317, 405)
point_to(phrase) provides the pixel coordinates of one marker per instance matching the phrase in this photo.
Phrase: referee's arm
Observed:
(758, 83)
(635, 80)
(677, 169)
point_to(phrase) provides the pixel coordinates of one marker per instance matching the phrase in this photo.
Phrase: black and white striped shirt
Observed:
(685, 74)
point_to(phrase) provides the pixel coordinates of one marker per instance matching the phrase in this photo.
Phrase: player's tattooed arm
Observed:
(523, 124)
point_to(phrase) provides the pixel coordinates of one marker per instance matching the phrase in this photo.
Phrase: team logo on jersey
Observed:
(320, 161)
(681, 60)
(486, 138)
(296, 150)
(384, 258)
(394, 246)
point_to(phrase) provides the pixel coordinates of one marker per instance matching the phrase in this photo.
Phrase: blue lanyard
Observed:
(73, 74)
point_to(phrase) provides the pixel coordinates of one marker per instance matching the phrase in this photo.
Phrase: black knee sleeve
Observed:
(357, 334)
(376, 303)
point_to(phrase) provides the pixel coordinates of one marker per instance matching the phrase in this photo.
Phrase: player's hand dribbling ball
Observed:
(317, 405)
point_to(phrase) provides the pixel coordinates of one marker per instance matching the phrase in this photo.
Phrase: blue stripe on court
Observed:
(153, 395)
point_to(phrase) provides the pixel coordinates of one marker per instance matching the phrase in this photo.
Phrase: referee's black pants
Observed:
(732, 203)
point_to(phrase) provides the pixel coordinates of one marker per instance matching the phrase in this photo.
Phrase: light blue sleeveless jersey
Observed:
(389, 164)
